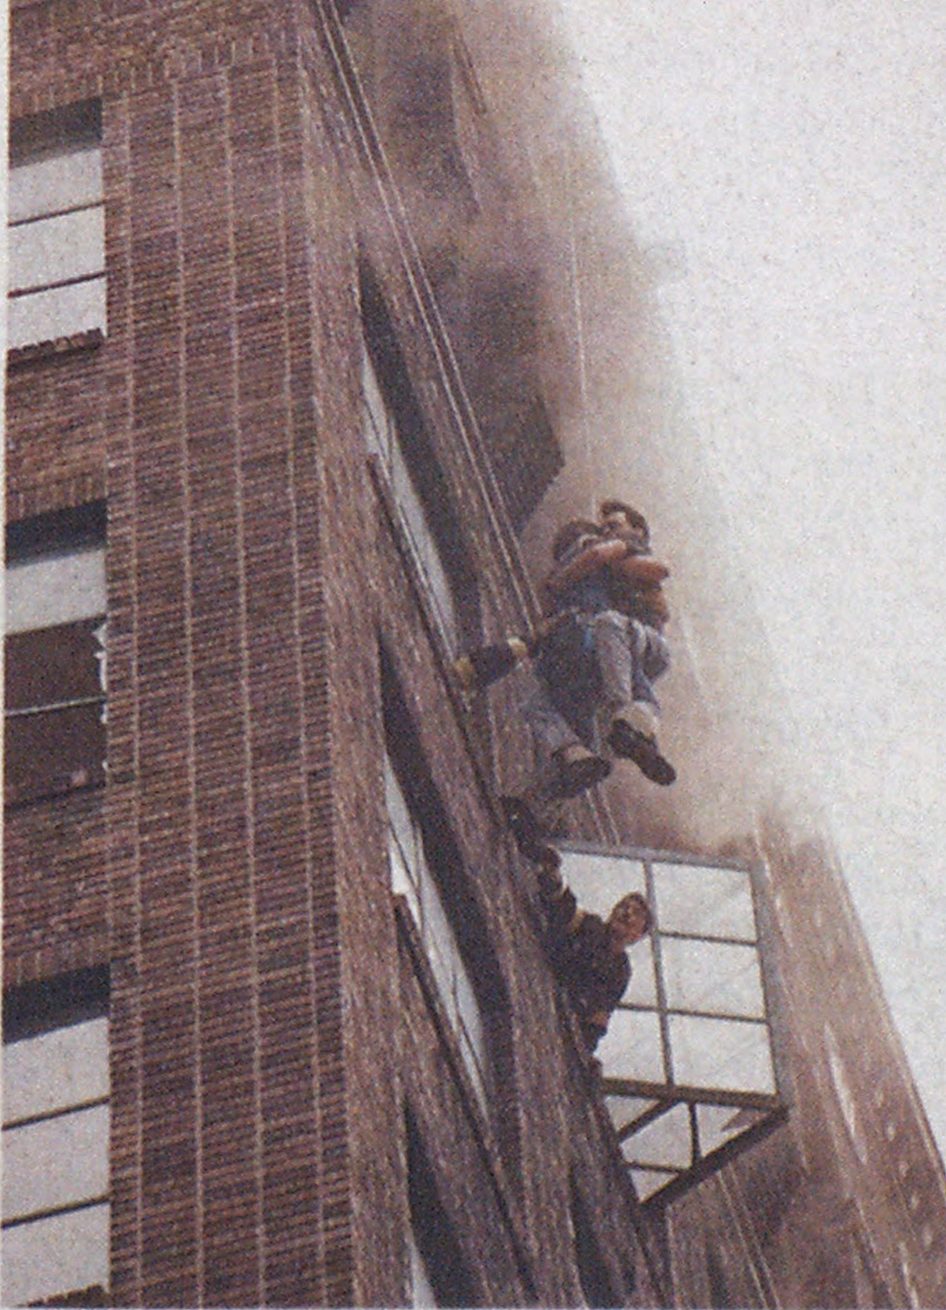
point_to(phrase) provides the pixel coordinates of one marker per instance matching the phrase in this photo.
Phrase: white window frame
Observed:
(412, 878)
(56, 238)
(382, 439)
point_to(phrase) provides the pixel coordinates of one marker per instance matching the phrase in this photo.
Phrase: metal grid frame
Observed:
(764, 1110)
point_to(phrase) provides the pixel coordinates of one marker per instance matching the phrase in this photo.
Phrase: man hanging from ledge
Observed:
(614, 585)
(588, 953)
(597, 656)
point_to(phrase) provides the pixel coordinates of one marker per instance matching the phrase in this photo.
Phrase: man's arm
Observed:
(584, 563)
(640, 570)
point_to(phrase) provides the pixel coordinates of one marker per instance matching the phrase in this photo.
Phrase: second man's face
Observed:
(616, 527)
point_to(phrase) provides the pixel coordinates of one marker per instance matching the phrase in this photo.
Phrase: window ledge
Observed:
(57, 795)
(38, 350)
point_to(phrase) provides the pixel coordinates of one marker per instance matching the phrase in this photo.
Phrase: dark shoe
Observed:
(527, 832)
(631, 744)
(578, 769)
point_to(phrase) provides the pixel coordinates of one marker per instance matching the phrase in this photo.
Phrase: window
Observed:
(413, 878)
(55, 1138)
(438, 1271)
(394, 433)
(427, 870)
(56, 216)
(55, 653)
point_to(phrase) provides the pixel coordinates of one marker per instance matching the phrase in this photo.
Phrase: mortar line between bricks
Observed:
(245, 701)
(190, 712)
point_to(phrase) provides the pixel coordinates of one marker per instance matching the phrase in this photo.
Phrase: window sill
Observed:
(17, 356)
(53, 797)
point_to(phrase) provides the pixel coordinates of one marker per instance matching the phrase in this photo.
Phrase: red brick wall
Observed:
(55, 890)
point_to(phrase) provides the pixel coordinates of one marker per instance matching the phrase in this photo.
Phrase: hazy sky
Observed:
(790, 157)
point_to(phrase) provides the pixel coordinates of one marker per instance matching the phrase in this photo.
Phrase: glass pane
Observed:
(399, 814)
(58, 182)
(422, 1292)
(53, 249)
(438, 941)
(600, 880)
(401, 882)
(711, 976)
(704, 901)
(55, 1069)
(469, 1010)
(376, 416)
(61, 1254)
(55, 589)
(55, 1162)
(721, 1053)
(719, 1124)
(665, 1142)
(642, 989)
(440, 591)
(625, 1109)
(426, 549)
(48, 315)
(646, 1183)
(631, 1048)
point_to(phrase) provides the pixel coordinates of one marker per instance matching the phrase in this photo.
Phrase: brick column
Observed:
(226, 1006)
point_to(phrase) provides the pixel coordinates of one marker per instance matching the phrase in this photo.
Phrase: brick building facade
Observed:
(303, 430)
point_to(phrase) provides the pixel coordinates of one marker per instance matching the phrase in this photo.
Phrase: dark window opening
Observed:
(54, 676)
(53, 130)
(427, 871)
(60, 1002)
(596, 1285)
(440, 847)
(444, 1265)
(396, 433)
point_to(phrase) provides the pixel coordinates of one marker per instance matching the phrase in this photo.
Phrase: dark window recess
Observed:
(54, 738)
(596, 1285)
(55, 129)
(54, 707)
(418, 452)
(57, 531)
(69, 998)
(444, 1262)
(440, 848)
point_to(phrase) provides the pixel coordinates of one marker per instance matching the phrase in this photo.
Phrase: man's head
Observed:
(620, 520)
(571, 532)
(629, 920)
